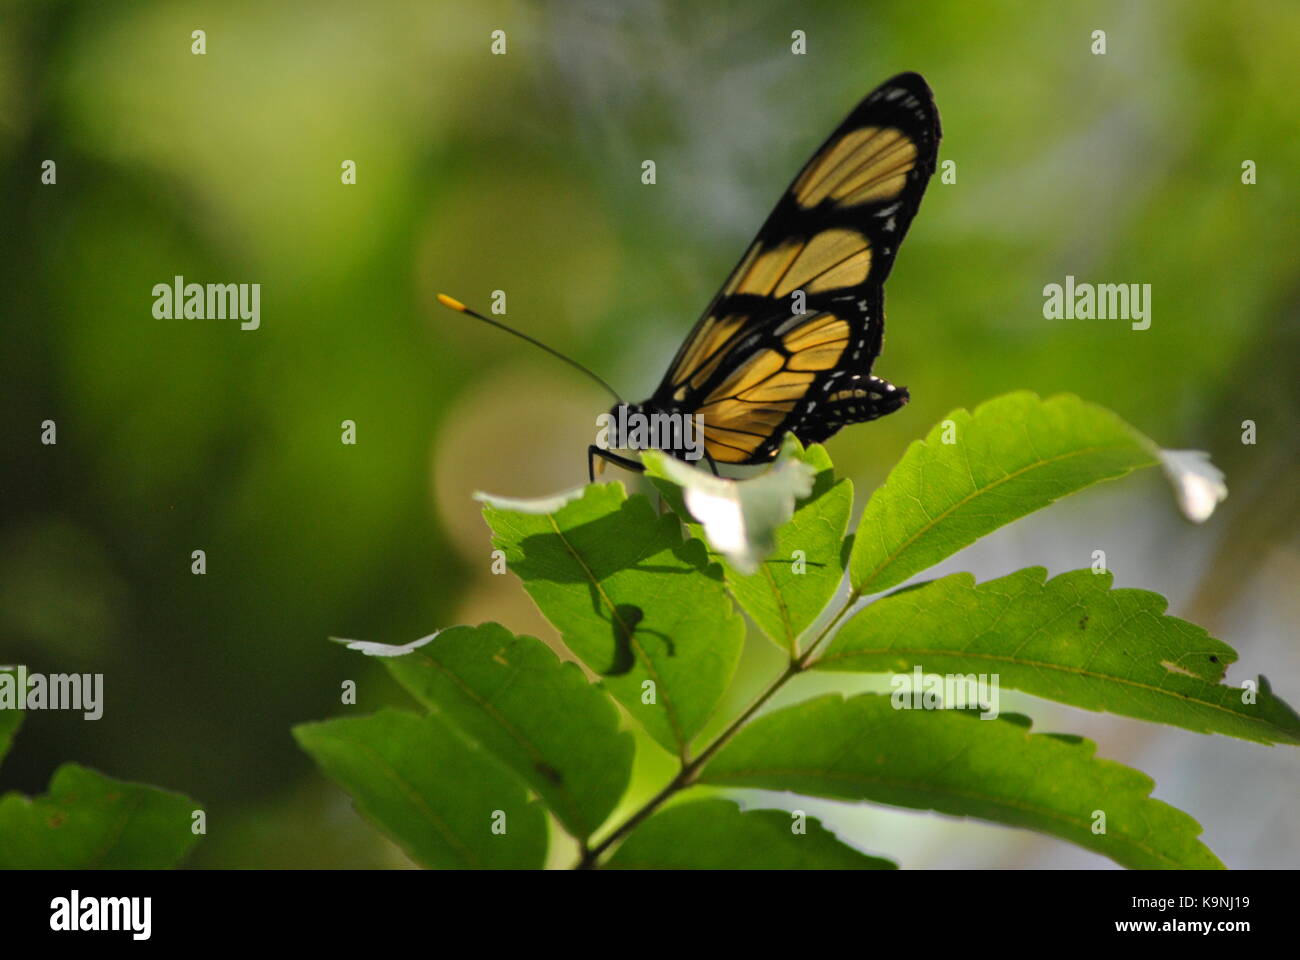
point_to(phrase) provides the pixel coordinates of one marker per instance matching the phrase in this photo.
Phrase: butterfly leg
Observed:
(594, 451)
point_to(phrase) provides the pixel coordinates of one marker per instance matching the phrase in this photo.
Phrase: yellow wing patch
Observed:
(818, 344)
(864, 166)
(707, 350)
(830, 260)
(743, 411)
(756, 369)
(730, 446)
(785, 385)
(823, 328)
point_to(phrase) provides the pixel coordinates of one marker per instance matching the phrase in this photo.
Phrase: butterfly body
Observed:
(789, 342)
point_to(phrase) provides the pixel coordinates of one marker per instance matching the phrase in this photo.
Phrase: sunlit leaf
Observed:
(1071, 639)
(535, 714)
(806, 566)
(432, 793)
(714, 834)
(976, 472)
(951, 761)
(634, 600)
(90, 821)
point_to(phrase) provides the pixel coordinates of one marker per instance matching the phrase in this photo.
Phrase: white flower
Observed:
(1198, 484)
(741, 517)
(372, 649)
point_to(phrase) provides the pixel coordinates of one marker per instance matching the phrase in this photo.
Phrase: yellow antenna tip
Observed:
(451, 302)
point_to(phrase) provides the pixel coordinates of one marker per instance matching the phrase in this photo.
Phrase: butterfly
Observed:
(788, 344)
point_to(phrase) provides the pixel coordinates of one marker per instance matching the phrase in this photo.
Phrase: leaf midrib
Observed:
(642, 655)
(1062, 668)
(528, 746)
(408, 789)
(858, 778)
(931, 522)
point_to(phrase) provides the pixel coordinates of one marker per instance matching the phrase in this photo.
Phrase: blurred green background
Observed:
(522, 173)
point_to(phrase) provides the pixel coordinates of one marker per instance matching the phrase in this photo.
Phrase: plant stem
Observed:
(588, 860)
(804, 660)
(686, 776)
(690, 771)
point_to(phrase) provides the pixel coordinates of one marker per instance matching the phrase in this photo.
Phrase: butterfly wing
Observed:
(754, 365)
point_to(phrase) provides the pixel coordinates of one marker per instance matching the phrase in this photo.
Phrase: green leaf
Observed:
(738, 517)
(1014, 455)
(780, 599)
(90, 821)
(538, 716)
(1071, 639)
(714, 834)
(634, 600)
(432, 793)
(951, 761)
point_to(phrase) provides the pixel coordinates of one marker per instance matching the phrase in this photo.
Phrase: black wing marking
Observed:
(832, 237)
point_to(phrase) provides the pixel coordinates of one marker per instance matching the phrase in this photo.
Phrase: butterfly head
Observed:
(649, 426)
(620, 426)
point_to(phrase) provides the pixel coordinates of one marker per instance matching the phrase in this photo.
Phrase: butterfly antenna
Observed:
(453, 304)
